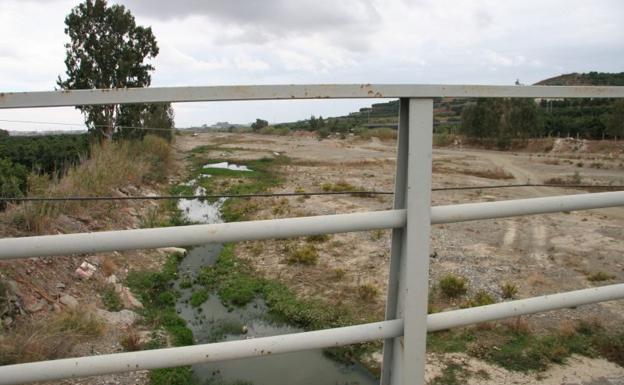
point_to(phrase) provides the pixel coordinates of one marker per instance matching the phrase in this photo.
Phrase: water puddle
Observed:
(201, 210)
(228, 166)
(212, 321)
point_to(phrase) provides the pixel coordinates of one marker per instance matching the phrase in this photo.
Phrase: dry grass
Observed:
(131, 341)
(110, 167)
(49, 337)
(494, 173)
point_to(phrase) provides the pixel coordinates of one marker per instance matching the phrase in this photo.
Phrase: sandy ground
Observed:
(539, 254)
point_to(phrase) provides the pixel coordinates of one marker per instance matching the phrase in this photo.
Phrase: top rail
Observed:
(287, 92)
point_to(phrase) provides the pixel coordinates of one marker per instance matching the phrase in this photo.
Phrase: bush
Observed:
(481, 298)
(13, 180)
(131, 342)
(509, 290)
(319, 238)
(322, 133)
(304, 255)
(453, 286)
(443, 140)
(111, 299)
(599, 276)
(367, 292)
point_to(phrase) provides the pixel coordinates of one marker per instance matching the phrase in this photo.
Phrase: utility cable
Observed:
(286, 194)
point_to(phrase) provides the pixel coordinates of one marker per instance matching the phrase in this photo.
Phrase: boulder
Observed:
(36, 306)
(69, 301)
(123, 318)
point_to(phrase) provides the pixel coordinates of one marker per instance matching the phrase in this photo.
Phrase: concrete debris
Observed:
(85, 270)
(112, 279)
(172, 250)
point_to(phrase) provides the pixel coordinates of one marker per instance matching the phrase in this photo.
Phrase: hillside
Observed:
(585, 79)
(569, 117)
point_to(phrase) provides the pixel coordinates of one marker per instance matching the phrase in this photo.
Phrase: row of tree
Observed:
(501, 122)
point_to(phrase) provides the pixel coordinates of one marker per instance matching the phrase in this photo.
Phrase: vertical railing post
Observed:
(408, 286)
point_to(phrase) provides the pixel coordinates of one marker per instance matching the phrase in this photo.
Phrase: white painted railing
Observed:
(407, 322)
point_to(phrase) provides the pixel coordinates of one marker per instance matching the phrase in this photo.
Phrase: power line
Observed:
(286, 194)
(83, 125)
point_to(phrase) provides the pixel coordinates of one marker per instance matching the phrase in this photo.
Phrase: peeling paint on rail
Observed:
(284, 91)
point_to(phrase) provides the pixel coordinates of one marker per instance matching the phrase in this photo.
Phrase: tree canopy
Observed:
(501, 121)
(107, 49)
(259, 124)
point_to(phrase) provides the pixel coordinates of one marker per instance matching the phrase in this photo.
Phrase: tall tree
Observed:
(107, 50)
(615, 120)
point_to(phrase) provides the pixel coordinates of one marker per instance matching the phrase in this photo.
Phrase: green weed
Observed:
(453, 286)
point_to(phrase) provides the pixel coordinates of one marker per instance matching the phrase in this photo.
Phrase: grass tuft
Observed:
(303, 255)
(453, 286)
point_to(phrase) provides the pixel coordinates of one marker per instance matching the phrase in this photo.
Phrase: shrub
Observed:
(111, 299)
(453, 286)
(13, 180)
(319, 238)
(322, 133)
(481, 298)
(509, 290)
(339, 273)
(443, 140)
(304, 255)
(367, 292)
(599, 276)
(131, 342)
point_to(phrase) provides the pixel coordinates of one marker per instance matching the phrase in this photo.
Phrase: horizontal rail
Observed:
(195, 354)
(529, 206)
(498, 311)
(287, 92)
(189, 355)
(197, 234)
(65, 244)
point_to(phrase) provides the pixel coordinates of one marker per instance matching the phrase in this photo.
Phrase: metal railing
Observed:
(407, 322)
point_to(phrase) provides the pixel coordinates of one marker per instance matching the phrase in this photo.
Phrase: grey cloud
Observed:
(274, 14)
(267, 20)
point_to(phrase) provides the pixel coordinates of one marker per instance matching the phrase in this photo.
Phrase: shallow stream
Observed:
(212, 321)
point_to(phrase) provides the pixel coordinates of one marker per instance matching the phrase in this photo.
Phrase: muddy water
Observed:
(212, 321)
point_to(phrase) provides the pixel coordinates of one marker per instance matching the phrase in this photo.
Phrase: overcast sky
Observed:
(221, 42)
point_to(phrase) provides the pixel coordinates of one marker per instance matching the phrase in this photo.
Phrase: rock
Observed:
(13, 288)
(112, 279)
(36, 306)
(244, 329)
(172, 250)
(85, 270)
(69, 301)
(128, 299)
(123, 318)
(60, 285)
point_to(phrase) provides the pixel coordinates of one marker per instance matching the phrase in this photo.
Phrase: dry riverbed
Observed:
(536, 255)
